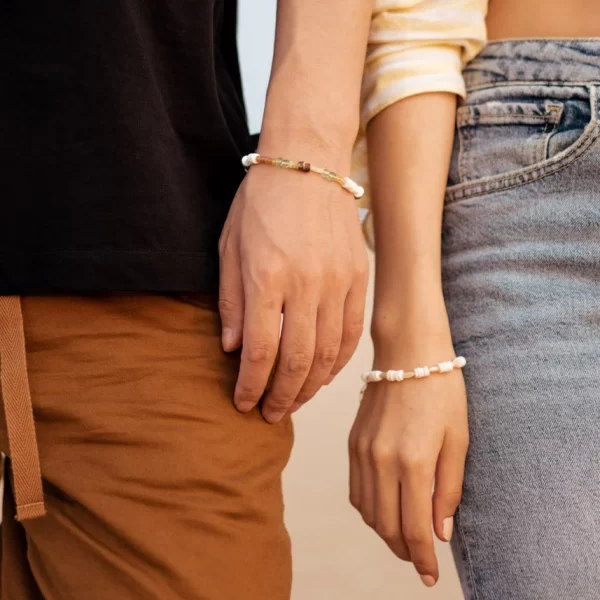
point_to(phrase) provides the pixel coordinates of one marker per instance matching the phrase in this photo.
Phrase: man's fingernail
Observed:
(227, 338)
(447, 528)
(273, 416)
(428, 580)
(244, 406)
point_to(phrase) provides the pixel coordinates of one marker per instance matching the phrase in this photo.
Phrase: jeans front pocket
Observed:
(498, 137)
(511, 134)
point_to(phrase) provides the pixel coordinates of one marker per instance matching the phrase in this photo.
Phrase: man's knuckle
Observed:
(280, 401)
(259, 353)
(269, 276)
(227, 304)
(306, 273)
(326, 355)
(338, 277)
(247, 391)
(353, 330)
(297, 363)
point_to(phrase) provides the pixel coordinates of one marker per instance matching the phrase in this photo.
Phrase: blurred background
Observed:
(336, 557)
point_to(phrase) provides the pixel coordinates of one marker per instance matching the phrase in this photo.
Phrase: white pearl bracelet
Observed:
(418, 373)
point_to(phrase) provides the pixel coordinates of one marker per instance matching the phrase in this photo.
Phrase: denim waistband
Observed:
(536, 60)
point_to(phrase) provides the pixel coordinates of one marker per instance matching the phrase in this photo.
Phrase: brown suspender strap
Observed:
(18, 410)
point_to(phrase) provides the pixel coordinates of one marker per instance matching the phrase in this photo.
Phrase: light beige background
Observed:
(336, 557)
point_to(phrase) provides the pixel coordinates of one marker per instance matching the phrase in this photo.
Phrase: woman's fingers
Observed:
(404, 437)
(417, 514)
(388, 519)
(448, 484)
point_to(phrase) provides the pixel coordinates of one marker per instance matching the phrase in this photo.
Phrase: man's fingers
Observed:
(354, 316)
(262, 321)
(231, 301)
(417, 514)
(296, 353)
(448, 485)
(327, 348)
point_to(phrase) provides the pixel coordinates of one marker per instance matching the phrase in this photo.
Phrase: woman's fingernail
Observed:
(447, 528)
(428, 580)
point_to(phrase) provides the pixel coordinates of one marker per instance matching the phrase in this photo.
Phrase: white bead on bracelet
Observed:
(418, 373)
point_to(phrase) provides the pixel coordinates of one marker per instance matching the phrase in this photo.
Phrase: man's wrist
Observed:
(310, 126)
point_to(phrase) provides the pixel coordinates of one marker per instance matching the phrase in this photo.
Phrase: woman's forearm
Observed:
(410, 144)
(314, 92)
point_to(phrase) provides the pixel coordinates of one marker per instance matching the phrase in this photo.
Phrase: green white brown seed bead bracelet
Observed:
(345, 182)
(418, 373)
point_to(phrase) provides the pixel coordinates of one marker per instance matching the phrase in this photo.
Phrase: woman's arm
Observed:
(408, 434)
(292, 242)
(410, 145)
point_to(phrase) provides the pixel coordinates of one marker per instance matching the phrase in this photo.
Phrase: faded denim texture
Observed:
(521, 257)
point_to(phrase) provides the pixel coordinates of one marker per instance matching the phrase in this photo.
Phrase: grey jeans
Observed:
(521, 256)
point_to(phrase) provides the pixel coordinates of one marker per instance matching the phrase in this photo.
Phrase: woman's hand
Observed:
(406, 436)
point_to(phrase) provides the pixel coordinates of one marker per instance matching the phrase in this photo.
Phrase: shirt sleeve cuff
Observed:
(391, 78)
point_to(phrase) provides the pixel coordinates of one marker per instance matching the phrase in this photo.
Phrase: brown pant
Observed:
(155, 487)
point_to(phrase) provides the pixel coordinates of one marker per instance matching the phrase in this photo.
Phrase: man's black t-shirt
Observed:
(122, 126)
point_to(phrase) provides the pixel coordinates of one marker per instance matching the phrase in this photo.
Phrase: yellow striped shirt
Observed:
(415, 46)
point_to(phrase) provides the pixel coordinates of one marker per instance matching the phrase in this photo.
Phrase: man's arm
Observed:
(314, 91)
(292, 242)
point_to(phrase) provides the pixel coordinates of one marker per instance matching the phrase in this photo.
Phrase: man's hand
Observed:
(292, 244)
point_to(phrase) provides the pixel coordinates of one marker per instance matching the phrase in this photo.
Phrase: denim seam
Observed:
(464, 148)
(536, 172)
(502, 42)
(525, 82)
(500, 119)
(556, 112)
(469, 561)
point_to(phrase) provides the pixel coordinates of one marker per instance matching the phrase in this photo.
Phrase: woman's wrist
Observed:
(416, 332)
